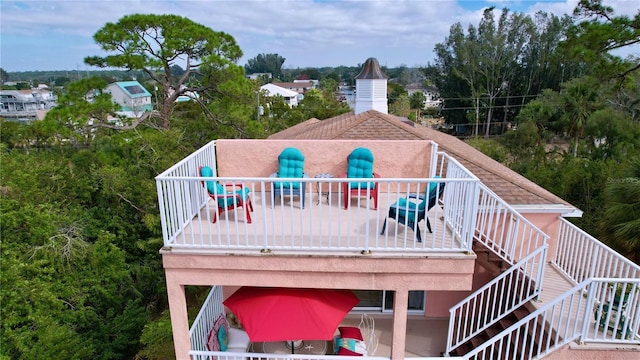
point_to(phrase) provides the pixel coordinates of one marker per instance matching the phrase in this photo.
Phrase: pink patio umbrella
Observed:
(286, 314)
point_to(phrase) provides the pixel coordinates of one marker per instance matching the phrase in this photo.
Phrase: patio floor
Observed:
(324, 225)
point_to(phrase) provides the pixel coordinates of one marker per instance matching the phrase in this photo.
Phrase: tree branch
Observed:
(133, 125)
(130, 203)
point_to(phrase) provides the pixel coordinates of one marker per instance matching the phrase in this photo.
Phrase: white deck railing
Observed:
(211, 355)
(532, 337)
(568, 318)
(460, 199)
(203, 323)
(588, 313)
(501, 296)
(613, 311)
(505, 231)
(187, 213)
(580, 256)
(516, 241)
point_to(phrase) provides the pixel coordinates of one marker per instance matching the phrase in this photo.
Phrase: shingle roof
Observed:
(514, 188)
(277, 90)
(294, 85)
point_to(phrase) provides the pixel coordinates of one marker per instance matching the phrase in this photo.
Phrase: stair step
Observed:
(479, 248)
(492, 331)
(544, 333)
(529, 306)
(520, 313)
(478, 340)
(462, 349)
(511, 347)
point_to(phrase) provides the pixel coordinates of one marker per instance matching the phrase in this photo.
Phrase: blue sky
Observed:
(57, 34)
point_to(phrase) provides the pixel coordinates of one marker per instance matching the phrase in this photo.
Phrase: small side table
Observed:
(320, 183)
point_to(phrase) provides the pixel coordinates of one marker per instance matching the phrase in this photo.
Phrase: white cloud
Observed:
(305, 32)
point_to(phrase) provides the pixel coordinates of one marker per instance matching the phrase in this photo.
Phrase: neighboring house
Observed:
(503, 271)
(299, 87)
(304, 78)
(432, 97)
(186, 96)
(132, 97)
(26, 105)
(256, 76)
(290, 97)
(414, 88)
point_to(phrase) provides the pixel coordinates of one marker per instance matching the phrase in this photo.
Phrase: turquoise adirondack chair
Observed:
(360, 165)
(228, 196)
(290, 165)
(410, 213)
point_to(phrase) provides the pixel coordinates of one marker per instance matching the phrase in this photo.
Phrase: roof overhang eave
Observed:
(563, 210)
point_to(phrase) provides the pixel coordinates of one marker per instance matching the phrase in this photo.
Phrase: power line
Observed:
(483, 107)
(487, 98)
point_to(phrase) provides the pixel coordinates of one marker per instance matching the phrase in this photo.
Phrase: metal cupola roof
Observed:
(371, 70)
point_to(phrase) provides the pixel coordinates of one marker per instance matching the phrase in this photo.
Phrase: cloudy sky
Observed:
(57, 34)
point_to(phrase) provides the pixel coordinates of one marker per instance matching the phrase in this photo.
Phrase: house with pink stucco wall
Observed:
(502, 273)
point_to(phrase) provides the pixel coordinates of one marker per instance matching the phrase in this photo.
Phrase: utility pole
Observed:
(258, 108)
(477, 114)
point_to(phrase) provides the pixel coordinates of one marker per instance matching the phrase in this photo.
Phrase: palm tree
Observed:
(621, 220)
(580, 101)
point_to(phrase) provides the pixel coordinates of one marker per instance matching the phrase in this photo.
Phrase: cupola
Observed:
(371, 88)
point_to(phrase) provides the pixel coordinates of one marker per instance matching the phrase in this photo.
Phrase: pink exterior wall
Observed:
(349, 272)
(549, 223)
(439, 302)
(259, 158)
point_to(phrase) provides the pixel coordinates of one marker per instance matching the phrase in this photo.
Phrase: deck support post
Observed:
(399, 331)
(179, 318)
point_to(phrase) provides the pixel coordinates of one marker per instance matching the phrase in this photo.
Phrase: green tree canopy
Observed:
(599, 33)
(400, 107)
(265, 63)
(499, 64)
(621, 220)
(83, 109)
(394, 92)
(155, 43)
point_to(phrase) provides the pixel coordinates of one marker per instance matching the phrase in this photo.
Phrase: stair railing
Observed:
(532, 337)
(503, 230)
(615, 317)
(589, 312)
(519, 243)
(573, 316)
(492, 302)
(580, 256)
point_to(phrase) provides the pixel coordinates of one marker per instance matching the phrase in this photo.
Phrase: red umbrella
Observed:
(281, 314)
